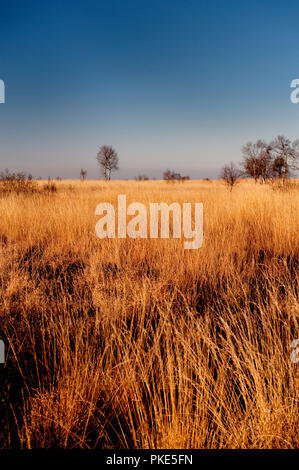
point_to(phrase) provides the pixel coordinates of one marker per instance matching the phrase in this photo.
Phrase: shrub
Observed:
(16, 183)
(50, 187)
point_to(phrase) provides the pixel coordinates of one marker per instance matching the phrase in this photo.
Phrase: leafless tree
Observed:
(168, 176)
(83, 174)
(173, 176)
(108, 160)
(184, 178)
(230, 174)
(286, 155)
(265, 162)
(278, 168)
(257, 160)
(142, 178)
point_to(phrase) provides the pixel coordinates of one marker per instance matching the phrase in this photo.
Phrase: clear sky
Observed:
(177, 84)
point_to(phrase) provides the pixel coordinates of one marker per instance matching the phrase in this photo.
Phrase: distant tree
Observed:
(173, 176)
(265, 163)
(83, 174)
(286, 155)
(142, 178)
(168, 176)
(108, 160)
(278, 167)
(184, 178)
(257, 160)
(230, 174)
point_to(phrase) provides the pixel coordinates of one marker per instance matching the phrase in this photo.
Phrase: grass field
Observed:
(140, 343)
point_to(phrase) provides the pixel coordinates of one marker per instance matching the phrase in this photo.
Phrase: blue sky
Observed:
(178, 84)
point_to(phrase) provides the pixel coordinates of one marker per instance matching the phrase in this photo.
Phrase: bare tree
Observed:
(108, 160)
(265, 164)
(83, 174)
(168, 176)
(230, 174)
(173, 176)
(286, 154)
(142, 178)
(184, 178)
(257, 160)
(278, 168)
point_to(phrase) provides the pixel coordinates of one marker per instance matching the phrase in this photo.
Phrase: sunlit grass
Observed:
(139, 343)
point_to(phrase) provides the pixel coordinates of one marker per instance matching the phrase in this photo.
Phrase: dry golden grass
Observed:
(138, 343)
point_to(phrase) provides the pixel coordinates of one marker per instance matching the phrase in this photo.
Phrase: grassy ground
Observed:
(138, 343)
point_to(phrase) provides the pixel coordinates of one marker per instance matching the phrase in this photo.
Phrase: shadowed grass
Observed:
(138, 343)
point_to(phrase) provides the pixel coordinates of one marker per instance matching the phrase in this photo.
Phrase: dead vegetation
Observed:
(138, 343)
